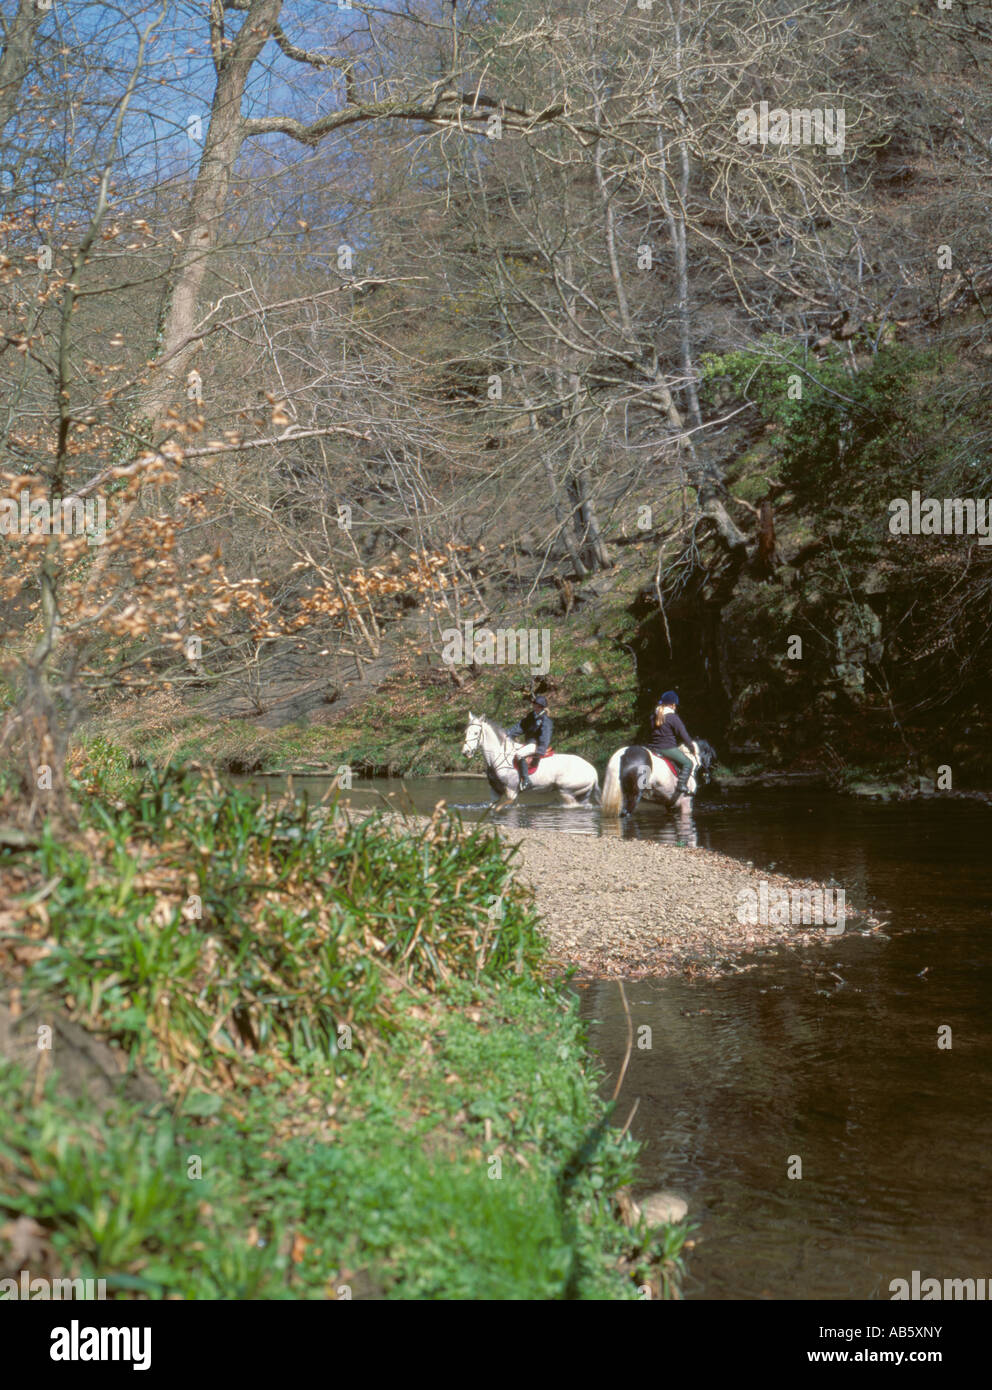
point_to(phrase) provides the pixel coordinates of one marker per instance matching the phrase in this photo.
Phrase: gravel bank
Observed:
(632, 908)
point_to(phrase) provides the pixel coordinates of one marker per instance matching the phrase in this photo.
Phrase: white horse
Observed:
(634, 771)
(575, 779)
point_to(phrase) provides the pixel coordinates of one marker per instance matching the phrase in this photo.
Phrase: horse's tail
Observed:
(612, 796)
(596, 796)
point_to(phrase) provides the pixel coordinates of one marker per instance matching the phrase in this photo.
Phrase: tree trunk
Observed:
(37, 733)
(585, 525)
(18, 54)
(222, 145)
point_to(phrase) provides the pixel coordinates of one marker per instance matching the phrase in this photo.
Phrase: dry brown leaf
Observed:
(27, 1240)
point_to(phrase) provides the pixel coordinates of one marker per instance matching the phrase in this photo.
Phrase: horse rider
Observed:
(670, 739)
(537, 728)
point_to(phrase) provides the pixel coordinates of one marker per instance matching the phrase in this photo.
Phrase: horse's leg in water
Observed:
(635, 775)
(684, 823)
(582, 798)
(506, 790)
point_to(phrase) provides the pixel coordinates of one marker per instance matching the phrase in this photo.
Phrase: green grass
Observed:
(407, 1195)
(366, 1077)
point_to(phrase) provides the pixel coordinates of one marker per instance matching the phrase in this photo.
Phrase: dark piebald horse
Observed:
(634, 771)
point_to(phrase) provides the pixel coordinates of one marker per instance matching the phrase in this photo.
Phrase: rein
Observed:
(507, 765)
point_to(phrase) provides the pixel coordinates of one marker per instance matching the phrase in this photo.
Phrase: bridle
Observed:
(508, 764)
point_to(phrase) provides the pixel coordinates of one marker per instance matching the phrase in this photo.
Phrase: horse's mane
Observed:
(497, 729)
(707, 753)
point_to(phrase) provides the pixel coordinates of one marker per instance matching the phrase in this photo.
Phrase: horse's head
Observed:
(707, 759)
(473, 735)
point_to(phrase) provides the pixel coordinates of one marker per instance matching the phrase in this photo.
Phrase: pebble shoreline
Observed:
(635, 908)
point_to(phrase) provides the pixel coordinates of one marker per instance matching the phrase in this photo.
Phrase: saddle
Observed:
(533, 760)
(673, 768)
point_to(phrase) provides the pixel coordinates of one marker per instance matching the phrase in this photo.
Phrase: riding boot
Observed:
(526, 784)
(681, 786)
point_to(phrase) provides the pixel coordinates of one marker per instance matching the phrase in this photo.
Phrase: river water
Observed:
(829, 1056)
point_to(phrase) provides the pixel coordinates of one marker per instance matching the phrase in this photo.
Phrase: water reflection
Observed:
(471, 798)
(748, 1074)
(830, 1056)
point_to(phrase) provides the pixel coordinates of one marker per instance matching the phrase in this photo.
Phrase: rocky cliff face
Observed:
(810, 670)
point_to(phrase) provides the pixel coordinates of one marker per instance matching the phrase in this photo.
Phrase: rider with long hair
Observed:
(670, 739)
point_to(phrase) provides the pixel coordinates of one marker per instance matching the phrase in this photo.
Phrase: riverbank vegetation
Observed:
(356, 1076)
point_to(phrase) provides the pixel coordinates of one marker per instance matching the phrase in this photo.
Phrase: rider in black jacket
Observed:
(670, 739)
(537, 728)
